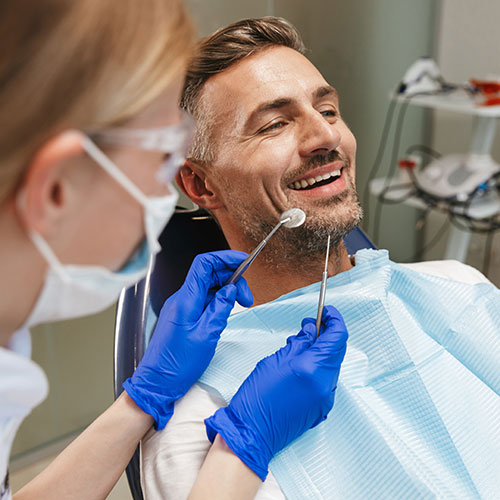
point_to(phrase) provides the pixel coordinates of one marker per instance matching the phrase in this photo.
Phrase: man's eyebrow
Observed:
(269, 106)
(282, 102)
(324, 91)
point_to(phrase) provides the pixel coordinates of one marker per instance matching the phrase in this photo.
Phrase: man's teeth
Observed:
(313, 180)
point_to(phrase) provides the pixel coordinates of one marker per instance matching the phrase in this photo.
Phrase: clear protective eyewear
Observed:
(172, 140)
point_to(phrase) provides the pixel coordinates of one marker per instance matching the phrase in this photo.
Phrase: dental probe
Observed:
(291, 218)
(322, 291)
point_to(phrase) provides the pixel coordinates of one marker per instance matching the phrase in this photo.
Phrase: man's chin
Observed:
(332, 202)
(307, 242)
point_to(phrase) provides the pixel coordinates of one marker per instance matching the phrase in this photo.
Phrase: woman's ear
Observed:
(42, 196)
(196, 185)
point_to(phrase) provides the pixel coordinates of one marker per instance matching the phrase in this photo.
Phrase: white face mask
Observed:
(71, 291)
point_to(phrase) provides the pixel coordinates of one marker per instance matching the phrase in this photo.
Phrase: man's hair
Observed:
(219, 51)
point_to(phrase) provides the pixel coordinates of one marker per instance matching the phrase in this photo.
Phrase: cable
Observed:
(481, 226)
(378, 158)
(487, 253)
(424, 149)
(458, 212)
(431, 243)
(382, 200)
(397, 140)
(392, 165)
(394, 156)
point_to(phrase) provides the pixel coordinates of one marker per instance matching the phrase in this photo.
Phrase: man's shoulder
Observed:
(449, 269)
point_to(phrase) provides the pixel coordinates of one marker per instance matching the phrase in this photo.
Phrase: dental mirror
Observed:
(291, 218)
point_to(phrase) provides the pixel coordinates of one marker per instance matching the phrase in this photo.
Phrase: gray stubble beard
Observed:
(303, 247)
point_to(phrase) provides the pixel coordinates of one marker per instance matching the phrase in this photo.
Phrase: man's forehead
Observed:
(271, 75)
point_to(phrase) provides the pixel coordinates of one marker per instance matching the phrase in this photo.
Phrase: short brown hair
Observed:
(218, 52)
(85, 64)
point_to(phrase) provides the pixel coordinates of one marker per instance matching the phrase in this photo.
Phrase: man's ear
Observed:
(42, 196)
(193, 181)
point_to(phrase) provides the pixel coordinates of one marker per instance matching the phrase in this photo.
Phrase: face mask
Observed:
(71, 291)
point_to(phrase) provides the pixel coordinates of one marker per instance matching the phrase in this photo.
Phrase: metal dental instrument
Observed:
(294, 217)
(322, 291)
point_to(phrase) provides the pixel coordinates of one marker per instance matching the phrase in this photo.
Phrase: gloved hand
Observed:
(187, 333)
(287, 393)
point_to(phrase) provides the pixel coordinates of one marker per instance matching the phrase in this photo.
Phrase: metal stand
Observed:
(457, 244)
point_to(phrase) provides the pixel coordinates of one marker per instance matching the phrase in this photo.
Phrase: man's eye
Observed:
(271, 127)
(329, 113)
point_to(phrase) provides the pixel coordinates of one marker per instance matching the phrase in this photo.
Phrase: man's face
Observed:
(281, 143)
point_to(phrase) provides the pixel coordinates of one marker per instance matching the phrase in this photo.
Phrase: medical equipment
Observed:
(466, 187)
(322, 291)
(291, 218)
(421, 76)
(423, 351)
(456, 176)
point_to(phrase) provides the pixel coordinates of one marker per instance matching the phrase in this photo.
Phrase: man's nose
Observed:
(319, 135)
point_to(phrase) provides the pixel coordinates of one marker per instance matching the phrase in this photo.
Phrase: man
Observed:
(270, 137)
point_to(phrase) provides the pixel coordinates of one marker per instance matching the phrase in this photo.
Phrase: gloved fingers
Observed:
(332, 315)
(244, 295)
(208, 270)
(332, 341)
(214, 318)
(326, 407)
(307, 321)
(296, 344)
(328, 350)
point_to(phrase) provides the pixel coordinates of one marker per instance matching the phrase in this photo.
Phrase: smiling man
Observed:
(424, 341)
(272, 139)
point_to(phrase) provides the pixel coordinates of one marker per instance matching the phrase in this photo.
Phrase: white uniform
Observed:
(23, 385)
(171, 459)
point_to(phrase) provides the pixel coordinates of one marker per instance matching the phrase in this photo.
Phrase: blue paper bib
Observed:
(417, 409)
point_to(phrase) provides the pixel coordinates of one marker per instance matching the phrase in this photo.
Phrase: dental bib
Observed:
(417, 408)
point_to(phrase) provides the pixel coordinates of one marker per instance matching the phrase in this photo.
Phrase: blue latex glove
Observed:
(187, 333)
(288, 393)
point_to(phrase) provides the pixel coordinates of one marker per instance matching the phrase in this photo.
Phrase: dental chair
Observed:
(188, 233)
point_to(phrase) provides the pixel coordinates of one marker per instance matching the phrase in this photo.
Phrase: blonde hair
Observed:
(81, 64)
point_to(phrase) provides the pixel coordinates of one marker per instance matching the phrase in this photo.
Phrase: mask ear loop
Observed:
(48, 254)
(101, 159)
(149, 206)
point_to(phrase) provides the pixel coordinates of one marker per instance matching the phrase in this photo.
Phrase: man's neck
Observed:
(268, 282)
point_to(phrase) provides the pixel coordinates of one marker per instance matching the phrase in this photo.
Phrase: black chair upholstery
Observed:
(189, 233)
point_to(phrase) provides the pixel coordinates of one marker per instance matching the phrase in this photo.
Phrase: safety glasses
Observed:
(173, 140)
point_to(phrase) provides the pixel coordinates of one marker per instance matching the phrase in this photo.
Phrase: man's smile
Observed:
(327, 180)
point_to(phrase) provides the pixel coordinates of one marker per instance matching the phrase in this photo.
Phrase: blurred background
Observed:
(363, 48)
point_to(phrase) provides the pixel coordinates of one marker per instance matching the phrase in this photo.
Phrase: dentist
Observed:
(91, 136)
